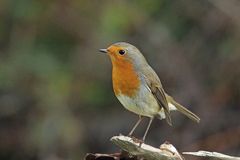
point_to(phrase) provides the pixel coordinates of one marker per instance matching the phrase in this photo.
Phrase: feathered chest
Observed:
(125, 79)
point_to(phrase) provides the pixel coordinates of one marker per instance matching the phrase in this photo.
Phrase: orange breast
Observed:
(125, 79)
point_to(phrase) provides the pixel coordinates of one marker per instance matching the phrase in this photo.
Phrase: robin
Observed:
(138, 88)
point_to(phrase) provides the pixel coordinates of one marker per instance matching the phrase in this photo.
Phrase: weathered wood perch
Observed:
(213, 155)
(132, 151)
(130, 145)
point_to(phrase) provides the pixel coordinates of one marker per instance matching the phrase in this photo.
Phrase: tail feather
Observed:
(183, 110)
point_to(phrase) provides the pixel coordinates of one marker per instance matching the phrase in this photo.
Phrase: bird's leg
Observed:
(145, 134)
(135, 126)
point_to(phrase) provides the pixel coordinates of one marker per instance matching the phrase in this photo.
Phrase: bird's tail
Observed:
(182, 109)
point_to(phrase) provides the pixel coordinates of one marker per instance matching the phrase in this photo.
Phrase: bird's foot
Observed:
(136, 140)
(131, 136)
(140, 143)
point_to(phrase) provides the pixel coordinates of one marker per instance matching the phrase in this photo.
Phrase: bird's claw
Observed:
(136, 140)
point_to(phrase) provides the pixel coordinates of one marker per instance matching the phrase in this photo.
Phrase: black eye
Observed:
(121, 52)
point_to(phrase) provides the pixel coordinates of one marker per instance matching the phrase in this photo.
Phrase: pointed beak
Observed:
(103, 50)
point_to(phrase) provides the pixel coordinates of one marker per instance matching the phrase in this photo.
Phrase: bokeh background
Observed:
(56, 98)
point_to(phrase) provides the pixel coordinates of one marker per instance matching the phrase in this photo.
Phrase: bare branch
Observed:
(131, 145)
(214, 155)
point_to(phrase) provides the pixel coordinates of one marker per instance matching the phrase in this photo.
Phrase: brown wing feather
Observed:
(156, 88)
(159, 94)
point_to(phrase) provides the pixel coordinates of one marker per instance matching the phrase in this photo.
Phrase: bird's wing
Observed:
(157, 90)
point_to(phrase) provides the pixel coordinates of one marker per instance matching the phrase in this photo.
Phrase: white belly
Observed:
(144, 103)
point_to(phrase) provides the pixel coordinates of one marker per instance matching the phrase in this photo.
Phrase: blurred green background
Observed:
(56, 98)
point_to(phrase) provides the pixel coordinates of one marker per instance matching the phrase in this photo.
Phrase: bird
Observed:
(138, 87)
